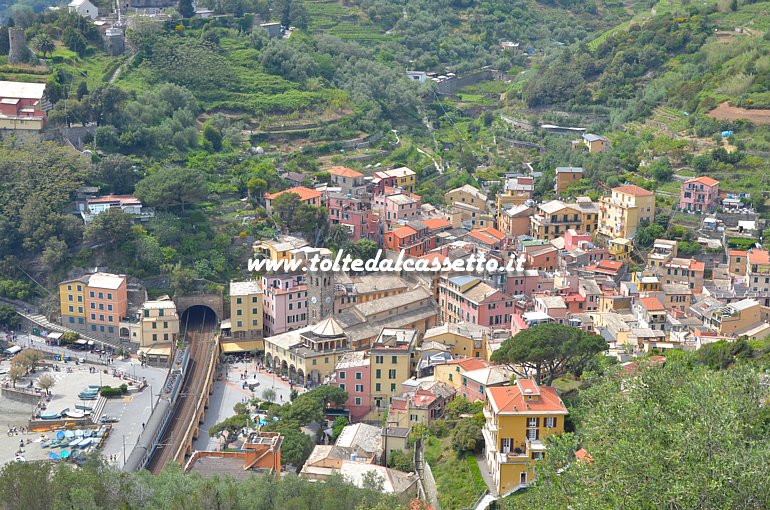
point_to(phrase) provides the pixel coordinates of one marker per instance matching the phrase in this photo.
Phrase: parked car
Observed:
(109, 419)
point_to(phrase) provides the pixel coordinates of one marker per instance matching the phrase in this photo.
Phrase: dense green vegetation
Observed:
(678, 436)
(97, 486)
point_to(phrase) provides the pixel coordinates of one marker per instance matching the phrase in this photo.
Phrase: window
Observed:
(533, 434)
(109, 295)
(377, 387)
(342, 386)
(165, 336)
(238, 301)
(154, 337)
(378, 360)
(378, 374)
(358, 376)
(505, 445)
(101, 295)
(72, 309)
(549, 423)
(532, 422)
(538, 455)
(72, 320)
(392, 373)
(358, 401)
(146, 312)
(109, 308)
(359, 388)
(392, 388)
(342, 375)
(394, 360)
(413, 417)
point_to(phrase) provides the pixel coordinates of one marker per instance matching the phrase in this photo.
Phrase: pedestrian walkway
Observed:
(44, 323)
(485, 474)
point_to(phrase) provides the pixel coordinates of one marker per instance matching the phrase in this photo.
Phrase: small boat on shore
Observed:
(50, 415)
(75, 413)
(54, 456)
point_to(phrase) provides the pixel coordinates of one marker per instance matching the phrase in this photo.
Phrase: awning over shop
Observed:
(243, 346)
(157, 350)
(54, 335)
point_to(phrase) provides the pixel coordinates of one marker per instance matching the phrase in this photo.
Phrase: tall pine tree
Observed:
(185, 8)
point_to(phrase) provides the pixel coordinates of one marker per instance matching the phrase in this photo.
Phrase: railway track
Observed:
(200, 336)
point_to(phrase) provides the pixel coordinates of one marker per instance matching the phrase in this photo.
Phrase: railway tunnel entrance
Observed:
(197, 318)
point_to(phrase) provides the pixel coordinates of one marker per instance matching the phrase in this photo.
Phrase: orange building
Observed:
(105, 303)
(260, 453)
(306, 195)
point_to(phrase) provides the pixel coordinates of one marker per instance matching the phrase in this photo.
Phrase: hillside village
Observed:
(152, 151)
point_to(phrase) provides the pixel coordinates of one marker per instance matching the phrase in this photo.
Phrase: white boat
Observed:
(74, 413)
(76, 442)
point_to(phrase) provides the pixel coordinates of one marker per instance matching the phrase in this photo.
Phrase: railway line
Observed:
(200, 339)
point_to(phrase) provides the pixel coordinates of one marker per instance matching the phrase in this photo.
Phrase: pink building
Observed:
(352, 374)
(348, 180)
(527, 282)
(284, 303)
(553, 306)
(396, 206)
(354, 213)
(543, 258)
(467, 298)
(699, 194)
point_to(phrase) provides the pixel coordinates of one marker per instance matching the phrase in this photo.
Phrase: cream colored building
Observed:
(156, 331)
(621, 213)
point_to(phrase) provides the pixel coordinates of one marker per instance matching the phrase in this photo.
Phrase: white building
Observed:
(129, 204)
(83, 8)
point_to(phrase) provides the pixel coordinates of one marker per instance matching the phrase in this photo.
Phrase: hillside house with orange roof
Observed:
(306, 195)
(518, 418)
(699, 194)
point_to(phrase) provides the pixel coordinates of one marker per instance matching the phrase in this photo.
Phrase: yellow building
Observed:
(645, 282)
(468, 195)
(281, 250)
(623, 211)
(402, 177)
(463, 338)
(156, 331)
(246, 314)
(518, 419)
(452, 371)
(554, 218)
(309, 354)
(392, 362)
(621, 248)
(72, 298)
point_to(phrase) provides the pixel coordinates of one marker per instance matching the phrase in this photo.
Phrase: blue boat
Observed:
(53, 456)
(85, 442)
(60, 435)
(64, 455)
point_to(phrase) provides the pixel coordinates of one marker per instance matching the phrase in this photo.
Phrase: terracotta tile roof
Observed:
(436, 223)
(633, 189)
(344, 171)
(510, 400)
(737, 253)
(483, 237)
(303, 192)
(493, 232)
(759, 257)
(708, 181)
(583, 456)
(403, 232)
(468, 364)
(652, 304)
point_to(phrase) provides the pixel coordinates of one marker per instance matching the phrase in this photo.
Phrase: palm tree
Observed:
(42, 43)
